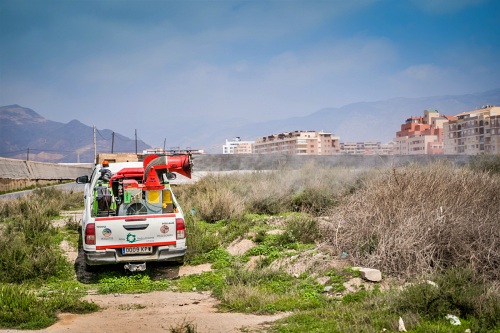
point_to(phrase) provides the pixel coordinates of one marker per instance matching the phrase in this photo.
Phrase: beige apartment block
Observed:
(366, 148)
(244, 148)
(473, 132)
(421, 135)
(298, 143)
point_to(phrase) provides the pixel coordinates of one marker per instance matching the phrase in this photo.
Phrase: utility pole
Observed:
(28, 155)
(136, 141)
(95, 148)
(112, 142)
(164, 143)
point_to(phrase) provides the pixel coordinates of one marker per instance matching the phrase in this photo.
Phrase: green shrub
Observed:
(302, 228)
(27, 247)
(485, 163)
(200, 239)
(22, 309)
(313, 200)
(23, 258)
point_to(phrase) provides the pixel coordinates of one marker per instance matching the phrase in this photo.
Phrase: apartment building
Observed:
(366, 148)
(421, 135)
(237, 146)
(473, 132)
(298, 143)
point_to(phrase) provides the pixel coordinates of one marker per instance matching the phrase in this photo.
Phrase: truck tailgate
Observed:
(138, 231)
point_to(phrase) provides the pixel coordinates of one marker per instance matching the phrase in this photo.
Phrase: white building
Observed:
(298, 143)
(236, 146)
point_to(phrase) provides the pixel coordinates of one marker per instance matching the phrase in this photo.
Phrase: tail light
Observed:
(181, 228)
(90, 234)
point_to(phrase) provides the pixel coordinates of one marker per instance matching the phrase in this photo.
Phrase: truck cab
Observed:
(131, 215)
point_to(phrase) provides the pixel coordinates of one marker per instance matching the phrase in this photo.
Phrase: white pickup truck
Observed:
(131, 215)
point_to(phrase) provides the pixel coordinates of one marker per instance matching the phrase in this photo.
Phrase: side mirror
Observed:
(82, 180)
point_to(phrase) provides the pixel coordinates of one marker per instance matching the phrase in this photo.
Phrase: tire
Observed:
(90, 269)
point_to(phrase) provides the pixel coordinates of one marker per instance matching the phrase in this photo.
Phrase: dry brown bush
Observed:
(419, 219)
(311, 189)
(212, 198)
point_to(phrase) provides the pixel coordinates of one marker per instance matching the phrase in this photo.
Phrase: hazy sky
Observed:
(127, 64)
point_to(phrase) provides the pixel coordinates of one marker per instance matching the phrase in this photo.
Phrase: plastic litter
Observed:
(453, 319)
(401, 325)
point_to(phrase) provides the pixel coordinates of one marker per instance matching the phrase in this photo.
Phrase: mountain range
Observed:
(24, 134)
(47, 140)
(366, 121)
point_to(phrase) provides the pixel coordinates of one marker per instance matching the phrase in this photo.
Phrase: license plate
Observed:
(137, 250)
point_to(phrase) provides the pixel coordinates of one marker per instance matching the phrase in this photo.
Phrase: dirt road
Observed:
(156, 312)
(151, 312)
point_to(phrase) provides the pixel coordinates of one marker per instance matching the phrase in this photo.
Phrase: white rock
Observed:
(371, 274)
(432, 283)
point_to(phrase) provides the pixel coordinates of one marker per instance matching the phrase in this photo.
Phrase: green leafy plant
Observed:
(22, 309)
(112, 282)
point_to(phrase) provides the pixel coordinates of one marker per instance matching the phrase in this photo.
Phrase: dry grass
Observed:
(419, 219)
(311, 189)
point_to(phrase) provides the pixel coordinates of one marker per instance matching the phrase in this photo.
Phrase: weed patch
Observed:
(268, 291)
(201, 239)
(183, 327)
(213, 281)
(21, 308)
(457, 291)
(111, 282)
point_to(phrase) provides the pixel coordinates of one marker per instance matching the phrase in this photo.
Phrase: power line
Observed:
(101, 135)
